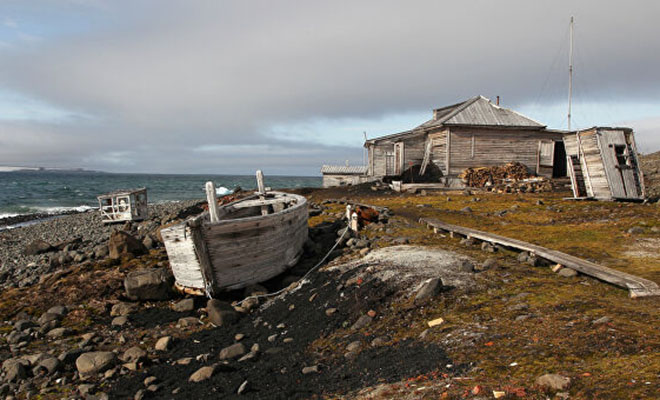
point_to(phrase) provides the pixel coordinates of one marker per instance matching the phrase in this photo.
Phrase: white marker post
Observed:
(213, 202)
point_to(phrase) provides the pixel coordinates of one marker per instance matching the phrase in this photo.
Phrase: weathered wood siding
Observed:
(379, 150)
(332, 180)
(413, 152)
(251, 250)
(439, 149)
(570, 144)
(181, 253)
(592, 166)
(479, 147)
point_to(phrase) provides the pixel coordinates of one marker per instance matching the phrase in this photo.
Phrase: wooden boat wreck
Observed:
(238, 244)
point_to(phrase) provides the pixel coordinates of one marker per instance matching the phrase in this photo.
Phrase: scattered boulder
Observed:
(601, 320)
(184, 305)
(94, 362)
(567, 273)
(234, 351)
(164, 343)
(466, 209)
(15, 369)
(48, 365)
(122, 309)
(553, 381)
(121, 244)
(57, 333)
(59, 310)
(362, 322)
(487, 247)
(488, 264)
(134, 354)
(314, 369)
(37, 247)
(47, 318)
(466, 266)
(221, 313)
(119, 321)
(149, 284)
(636, 230)
(430, 288)
(202, 374)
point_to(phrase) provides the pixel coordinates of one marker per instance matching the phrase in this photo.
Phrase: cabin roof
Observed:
(343, 169)
(477, 111)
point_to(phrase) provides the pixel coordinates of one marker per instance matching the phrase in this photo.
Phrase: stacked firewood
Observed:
(532, 185)
(490, 176)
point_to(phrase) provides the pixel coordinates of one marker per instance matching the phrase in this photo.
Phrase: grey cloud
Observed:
(174, 77)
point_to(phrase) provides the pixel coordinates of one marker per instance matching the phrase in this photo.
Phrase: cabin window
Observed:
(621, 156)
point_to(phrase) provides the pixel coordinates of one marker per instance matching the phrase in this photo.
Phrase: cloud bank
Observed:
(230, 86)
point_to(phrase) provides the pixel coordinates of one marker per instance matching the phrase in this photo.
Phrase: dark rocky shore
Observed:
(28, 253)
(89, 312)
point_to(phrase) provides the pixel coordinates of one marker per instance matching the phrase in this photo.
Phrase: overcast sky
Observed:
(286, 86)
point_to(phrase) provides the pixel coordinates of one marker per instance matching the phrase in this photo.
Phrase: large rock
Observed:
(429, 289)
(95, 362)
(149, 284)
(122, 243)
(233, 351)
(221, 313)
(134, 354)
(553, 381)
(202, 374)
(37, 247)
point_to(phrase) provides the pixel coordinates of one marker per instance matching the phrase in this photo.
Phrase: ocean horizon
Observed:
(29, 192)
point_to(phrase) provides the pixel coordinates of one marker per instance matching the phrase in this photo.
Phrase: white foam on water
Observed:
(223, 191)
(58, 210)
(8, 215)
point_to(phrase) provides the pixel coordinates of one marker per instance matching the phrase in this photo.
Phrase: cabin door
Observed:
(619, 165)
(398, 158)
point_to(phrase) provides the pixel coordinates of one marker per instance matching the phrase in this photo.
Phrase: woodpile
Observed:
(512, 177)
(489, 176)
(532, 185)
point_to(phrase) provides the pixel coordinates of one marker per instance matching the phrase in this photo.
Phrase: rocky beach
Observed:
(88, 310)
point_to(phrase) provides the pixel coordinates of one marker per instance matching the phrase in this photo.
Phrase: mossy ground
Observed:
(528, 321)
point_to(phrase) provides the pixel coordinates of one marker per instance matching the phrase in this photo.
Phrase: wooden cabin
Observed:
(602, 164)
(339, 175)
(124, 205)
(472, 133)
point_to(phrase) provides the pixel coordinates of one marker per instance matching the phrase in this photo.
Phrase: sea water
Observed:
(27, 192)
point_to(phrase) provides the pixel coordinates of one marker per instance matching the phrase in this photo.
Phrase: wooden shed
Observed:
(602, 164)
(340, 175)
(472, 133)
(124, 205)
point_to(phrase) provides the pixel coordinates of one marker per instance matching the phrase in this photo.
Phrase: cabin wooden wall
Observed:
(377, 156)
(479, 147)
(332, 180)
(413, 149)
(439, 150)
(595, 178)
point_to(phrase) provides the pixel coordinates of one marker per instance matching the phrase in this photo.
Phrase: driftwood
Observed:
(638, 287)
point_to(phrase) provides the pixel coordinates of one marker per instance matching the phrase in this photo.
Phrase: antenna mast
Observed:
(570, 75)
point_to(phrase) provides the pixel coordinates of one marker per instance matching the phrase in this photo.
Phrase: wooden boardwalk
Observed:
(638, 287)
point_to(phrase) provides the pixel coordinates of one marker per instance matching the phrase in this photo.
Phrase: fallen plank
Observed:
(638, 287)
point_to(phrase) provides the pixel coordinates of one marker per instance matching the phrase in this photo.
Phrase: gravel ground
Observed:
(75, 238)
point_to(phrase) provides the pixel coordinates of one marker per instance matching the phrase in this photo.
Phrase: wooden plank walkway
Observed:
(638, 287)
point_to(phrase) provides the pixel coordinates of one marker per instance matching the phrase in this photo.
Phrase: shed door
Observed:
(618, 164)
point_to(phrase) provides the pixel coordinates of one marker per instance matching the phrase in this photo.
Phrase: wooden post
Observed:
(262, 191)
(213, 202)
(260, 182)
(354, 222)
(349, 210)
